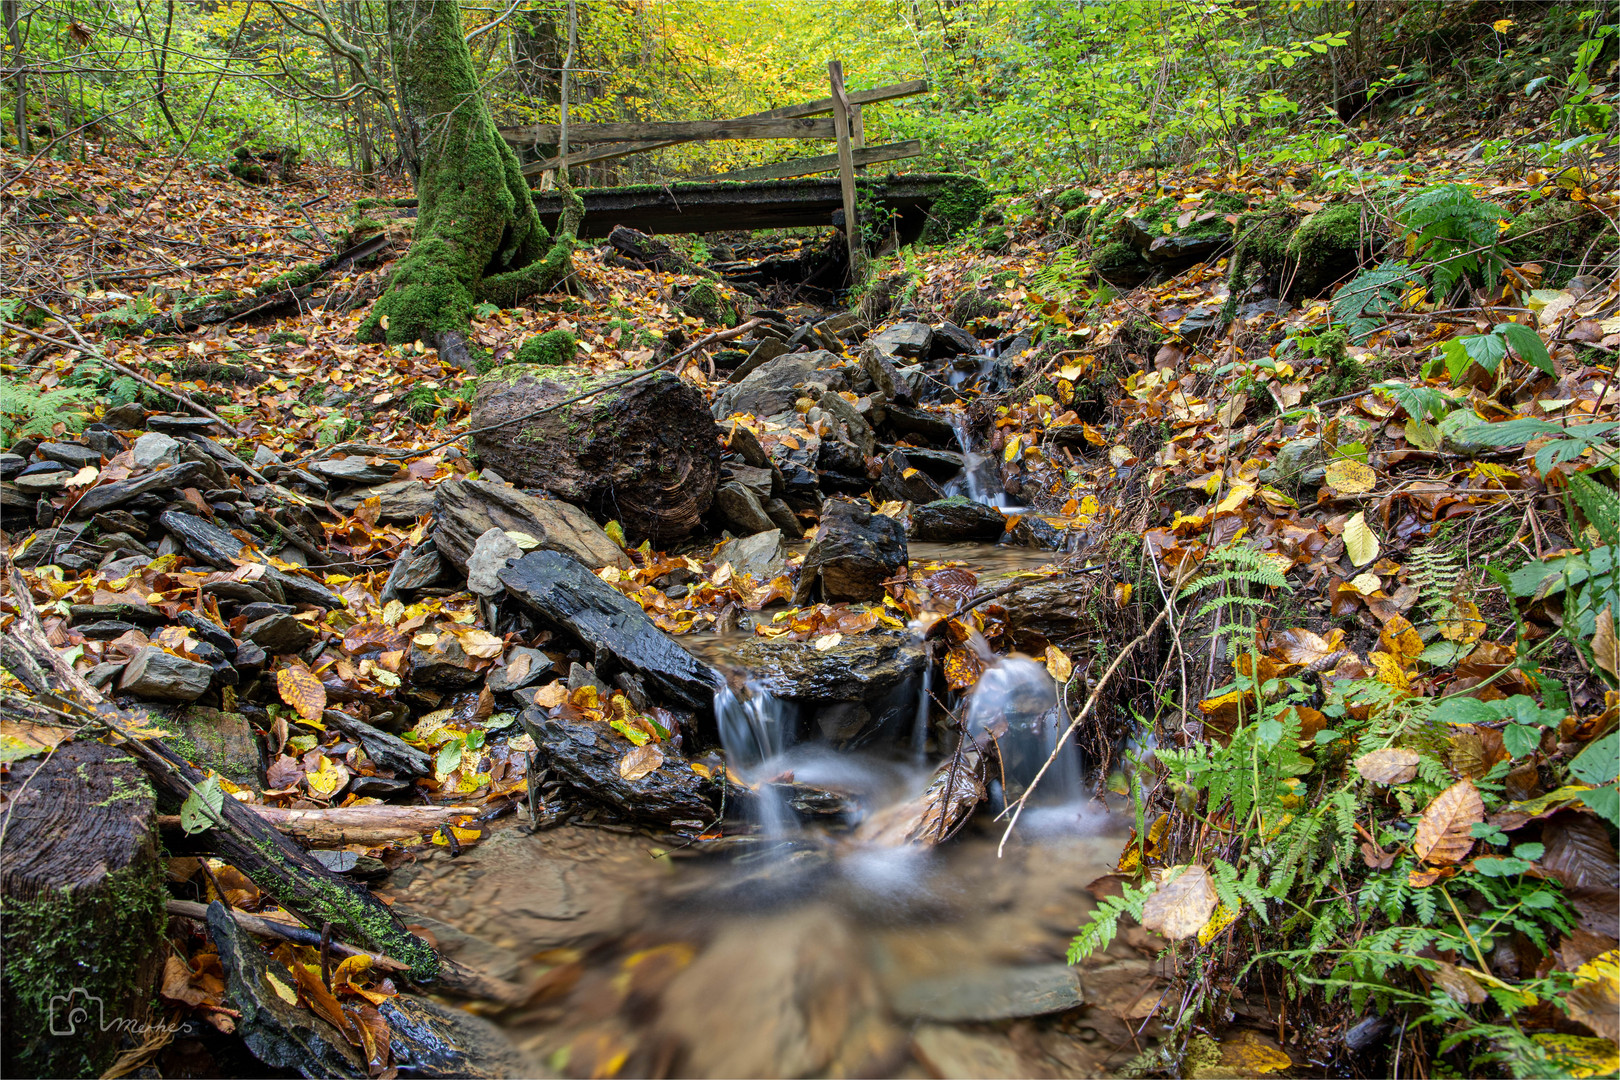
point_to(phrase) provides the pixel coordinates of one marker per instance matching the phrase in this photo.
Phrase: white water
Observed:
(755, 729)
(979, 480)
(1016, 701)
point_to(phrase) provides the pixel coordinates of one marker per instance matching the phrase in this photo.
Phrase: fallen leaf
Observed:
(1605, 644)
(300, 688)
(1359, 542)
(1182, 904)
(1388, 766)
(1443, 833)
(1350, 477)
(641, 761)
(1458, 984)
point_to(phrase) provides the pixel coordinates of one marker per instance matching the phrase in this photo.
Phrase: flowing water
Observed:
(792, 948)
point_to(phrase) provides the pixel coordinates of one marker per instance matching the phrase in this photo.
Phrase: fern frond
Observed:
(1096, 934)
(1361, 304)
(26, 410)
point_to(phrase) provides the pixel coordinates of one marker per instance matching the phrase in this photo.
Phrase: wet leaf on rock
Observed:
(641, 761)
(300, 688)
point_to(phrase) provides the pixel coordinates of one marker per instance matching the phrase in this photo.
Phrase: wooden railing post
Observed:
(846, 167)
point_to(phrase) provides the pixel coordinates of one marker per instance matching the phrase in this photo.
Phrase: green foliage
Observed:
(1566, 442)
(1455, 233)
(27, 410)
(1099, 931)
(554, 348)
(1372, 294)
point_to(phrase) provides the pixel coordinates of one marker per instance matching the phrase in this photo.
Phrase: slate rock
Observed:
(854, 426)
(858, 668)
(11, 465)
(154, 449)
(940, 465)
(123, 610)
(280, 635)
(931, 426)
(14, 500)
(467, 509)
(417, 568)
(399, 501)
(782, 516)
(73, 455)
(854, 552)
(179, 424)
(159, 676)
(106, 496)
(956, 519)
(951, 340)
(565, 593)
(44, 478)
(216, 547)
(758, 480)
(129, 417)
(105, 629)
(222, 741)
(530, 666)
(1292, 460)
(387, 751)
(207, 630)
(353, 471)
(910, 340)
(102, 439)
(760, 556)
(894, 485)
(586, 755)
(767, 350)
(489, 557)
(442, 664)
(741, 508)
(981, 996)
(774, 386)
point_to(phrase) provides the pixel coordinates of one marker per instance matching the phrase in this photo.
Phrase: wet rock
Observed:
(467, 509)
(902, 482)
(741, 507)
(72, 455)
(522, 667)
(931, 426)
(279, 635)
(759, 481)
(1034, 531)
(878, 369)
(15, 501)
(854, 553)
(159, 676)
(179, 424)
(992, 994)
(774, 386)
(442, 664)
(951, 340)
(782, 516)
(1183, 250)
(586, 755)
(859, 668)
(419, 567)
(44, 478)
(767, 350)
(1047, 611)
(956, 519)
(387, 751)
(207, 630)
(848, 422)
(760, 556)
(105, 629)
(103, 441)
(221, 741)
(154, 449)
(910, 340)
(400, 501)
(567, 594)
(218, 548)
(489, 557)
(129, 417)
(954, 1054)
(11, 465)
(940, 465)
(354, 471)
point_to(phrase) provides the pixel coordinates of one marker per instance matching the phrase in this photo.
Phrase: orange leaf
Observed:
(300, 688)
(1444, 832)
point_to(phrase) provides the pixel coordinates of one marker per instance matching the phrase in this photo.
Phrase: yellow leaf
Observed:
(1443, 833)
(283, 991)
(1240, 494)
(827, 641)
(300, 688)
(1248, 1055)
(1359, 542)
(1389, 671)
(1059, 666)
(1011, 451)
(1388, 766)
(1588, 1057)
(1423, 435)
(1501, 25)
(1595, 1000)
(1223, 917)
(1350, 477)
(1465, 624)
(1183, 903)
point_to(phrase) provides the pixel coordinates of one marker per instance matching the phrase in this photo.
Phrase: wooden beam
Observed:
(683, 130)
(821, 163)
(846, 166)
(785, 112)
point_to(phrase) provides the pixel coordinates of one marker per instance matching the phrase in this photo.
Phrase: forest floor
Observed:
(1412, 667)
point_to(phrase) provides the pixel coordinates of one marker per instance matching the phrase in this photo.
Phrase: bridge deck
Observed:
(768, 204)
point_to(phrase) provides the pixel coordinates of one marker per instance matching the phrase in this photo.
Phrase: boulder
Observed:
(901, 482)
(861, 667)
(951, 340)
(956, 519)
(1047, 611)
(774, 386)
(646, 454)
(848, 421)
(760, 556)
(742, 508)
(586, 755)
(931, 426)
(160, 676)
(218, 740)
(910, 340)
(854, 552)
(467, 509)
(279, 634)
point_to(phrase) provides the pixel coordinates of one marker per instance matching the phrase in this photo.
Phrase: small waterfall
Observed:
(979, 479)
(755, 729)
(1016, 701)
(919, 726)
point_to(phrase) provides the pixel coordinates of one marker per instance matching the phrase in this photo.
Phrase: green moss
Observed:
(1561, 236)
(1113, 254)
(296, 278)
(287, 337)
(554, 348)
(956, 209)
(60, 941)
(704, 301)
(1069, 201)
(1075, 221)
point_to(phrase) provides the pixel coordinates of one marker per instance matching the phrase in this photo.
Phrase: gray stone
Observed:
(956, 519)
(46, 481)
(354, 471)
(758, 481)
(859, 668)
(179, 424)
(279, 635)
(854, 553)
(582, 675)
(489, 557)
(1201, 322)
(523, 667)
(70, 454)
(467, 509)
(954, 1054)
(782, 516)
(131, 417)
(741, 507)
(909, 339)
(951, 340)
(774, 386)
(931, 426)
(11, 465)
(993, 994)
(896, 486)
(263, 456)
(763, 353)
(187, 474)
(222, 741)
(1292, 460)
(760, 556)
(847, 417)
(154, 449)
(159, 676)
(442, 664)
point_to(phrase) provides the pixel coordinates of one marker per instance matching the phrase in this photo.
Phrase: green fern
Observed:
(1361, 305)
(1455, 232)
(1096, 934)
(1599, 505)
(26, 410)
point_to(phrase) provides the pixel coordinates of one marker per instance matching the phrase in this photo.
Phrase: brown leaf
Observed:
(962, 667)
(1605, 644)
(641, 761)
(1388, 766)
(1460, 985)
(1299, 646)
(300, 688)
(1443, 835)
(1376, 857)
(1578, 852)
(1180, 908)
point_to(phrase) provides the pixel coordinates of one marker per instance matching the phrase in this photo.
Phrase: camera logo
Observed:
(78, 1007)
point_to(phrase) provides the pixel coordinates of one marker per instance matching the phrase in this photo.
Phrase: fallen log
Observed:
(81, 886)
(280, 931)
(350, 824)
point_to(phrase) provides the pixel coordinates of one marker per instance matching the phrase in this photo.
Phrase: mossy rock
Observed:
(994, 240)
(554, 348)
(287, 337)
(704, 301)
(1069, 201)
(1562, 237)
(956, 210)
(221, 741)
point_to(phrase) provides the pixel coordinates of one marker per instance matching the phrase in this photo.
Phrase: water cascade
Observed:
(1016, 701)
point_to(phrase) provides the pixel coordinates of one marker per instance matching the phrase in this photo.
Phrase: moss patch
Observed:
(704, 301)
(1561, 236)
(554, 348)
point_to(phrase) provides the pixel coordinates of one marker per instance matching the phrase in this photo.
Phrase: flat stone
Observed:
(186, 474)
(129, 417)
(858, 668)
(760, 556)
(956, 519)
(942, 465)
(44, 482)
(757, 480)
(442, 664)
(523, 667)
(221, 741)
(105, 629)
(991, 994)
(931, 426)
(952, 1054)
(951, 340)
(399, 501)
(160, 676)
(774, 386)
(216, 547)
(467, 509)
(154, 449)
(11, 465)
(179, 424)
(489, 557)
(767, 350)
(102, 439)
(144, 614)
(279, 635)
(14, 500)
(353, 470)
(741, 507)
(909, 339)
(73, 455)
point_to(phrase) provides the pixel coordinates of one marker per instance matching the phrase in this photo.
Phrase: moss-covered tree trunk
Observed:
(477, 234)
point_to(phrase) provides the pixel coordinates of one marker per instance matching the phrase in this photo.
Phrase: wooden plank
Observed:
(785, 112)
(846, 166)
(683, 130)
(810, 166)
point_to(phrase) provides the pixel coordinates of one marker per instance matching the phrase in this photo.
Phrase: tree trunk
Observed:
(9, 8)
(477, 234)
(81, 887)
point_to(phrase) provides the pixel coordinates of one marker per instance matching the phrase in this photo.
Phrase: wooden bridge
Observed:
(768, 204)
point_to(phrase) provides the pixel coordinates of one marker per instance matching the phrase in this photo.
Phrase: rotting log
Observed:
(646, 454)
(277, 865)
(82, 904)
(351, 824)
